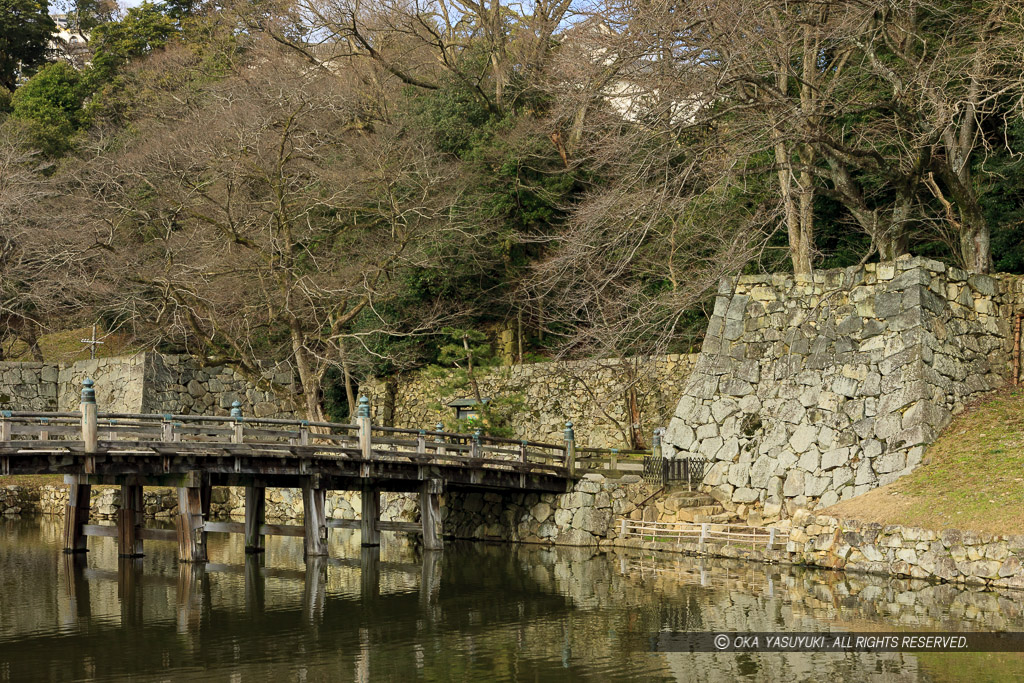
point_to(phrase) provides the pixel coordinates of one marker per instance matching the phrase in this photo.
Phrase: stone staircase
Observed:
(686, 506)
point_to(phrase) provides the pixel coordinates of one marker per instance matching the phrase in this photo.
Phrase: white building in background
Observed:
(70, 44)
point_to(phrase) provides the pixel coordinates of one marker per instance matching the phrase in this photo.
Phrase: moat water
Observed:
(473, 612)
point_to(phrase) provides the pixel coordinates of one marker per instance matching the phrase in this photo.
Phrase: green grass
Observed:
(972, 666)
(972, 477)
(974, 473)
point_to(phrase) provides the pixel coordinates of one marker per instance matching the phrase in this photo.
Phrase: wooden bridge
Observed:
(194, 453)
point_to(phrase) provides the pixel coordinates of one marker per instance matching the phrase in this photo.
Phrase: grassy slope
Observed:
(66, 346)
(972, 477)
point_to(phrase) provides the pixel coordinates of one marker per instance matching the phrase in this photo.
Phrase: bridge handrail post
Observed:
(166, 429)
(439, 427)
(613, 461)
(570, 449)
(90, 433)
(238, 432)
(5, 425)
(365, 427)
(475, 448)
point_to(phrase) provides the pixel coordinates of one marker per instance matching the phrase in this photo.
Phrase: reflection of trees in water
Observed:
(475, 611)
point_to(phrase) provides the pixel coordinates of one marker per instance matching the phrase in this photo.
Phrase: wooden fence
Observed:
(703, 534)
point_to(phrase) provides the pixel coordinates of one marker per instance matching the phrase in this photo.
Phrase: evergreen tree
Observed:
(25, 29)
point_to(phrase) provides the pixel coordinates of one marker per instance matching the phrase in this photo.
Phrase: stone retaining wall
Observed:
(28, 386)
(807, 392)
(592, 394)
(585, 516)
(142, 383)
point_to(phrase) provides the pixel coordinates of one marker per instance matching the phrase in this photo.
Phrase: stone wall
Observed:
(949, 555)
(182, 384)
(807, 392)
(119, 383)
(585, 516)
(592, 394)
(28, 386)
(142, 383)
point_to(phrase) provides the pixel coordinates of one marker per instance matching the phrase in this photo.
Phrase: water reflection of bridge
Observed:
(337, 611)
(192, 585)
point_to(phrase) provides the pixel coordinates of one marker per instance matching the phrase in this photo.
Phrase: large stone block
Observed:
(794, 484)
(739, 474)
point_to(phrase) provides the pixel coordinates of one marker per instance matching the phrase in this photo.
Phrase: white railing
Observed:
(703, 533)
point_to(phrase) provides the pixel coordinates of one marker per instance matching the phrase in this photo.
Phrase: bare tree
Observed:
(878, 106)
(39, 271)
(266, 223)
(485, 45)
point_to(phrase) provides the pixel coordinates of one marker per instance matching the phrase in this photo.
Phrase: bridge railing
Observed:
(318, 439)
(475, 448)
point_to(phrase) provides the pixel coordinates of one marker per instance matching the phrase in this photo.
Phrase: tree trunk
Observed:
(310, 385)
(390, 399)
(472, 375)
(796, 200)
(350, 390)
(975, 247)
(635, 426)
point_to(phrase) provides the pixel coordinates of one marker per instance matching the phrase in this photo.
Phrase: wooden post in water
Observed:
(315, 536)
(255, 518)
(76, 515)
(369, 573)
(129, 521)
(314, 594)
(370, 498)
(363, 423)
(430, 513)
(205, 499)
(190, 522)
